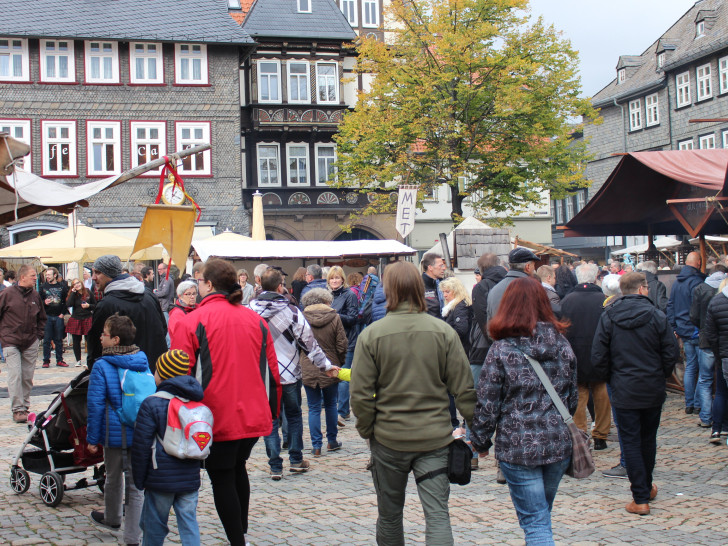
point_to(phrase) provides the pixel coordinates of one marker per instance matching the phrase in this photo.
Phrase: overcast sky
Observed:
(602, 31)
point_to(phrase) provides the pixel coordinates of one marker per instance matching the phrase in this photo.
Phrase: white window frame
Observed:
(113, 55)
(277, 75)
(635, 115)
(146, 56)
(296, 78)
(686, 144)
(147, 140)
(661, 59)
(621, 75)
(703, 78)
(326, 78)
(304, 6)
(10, 52)
(706, 142)
(47, 142)
(699, 29)
(580, 200)
(351, 7)
(19, 129)
(682, 89)
(723, 74)
(560, 212)
(114, 140)
(652, 110)
(234, 4)
(277, 148)
(306, 159)
(370, 7)
(317, 147)
(185, 53)
(725, 138)
(47, 55)
(182, 143)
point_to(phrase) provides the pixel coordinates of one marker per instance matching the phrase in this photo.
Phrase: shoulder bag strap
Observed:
(549, 389)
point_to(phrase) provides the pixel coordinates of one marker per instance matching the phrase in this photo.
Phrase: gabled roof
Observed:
(629, 61)
(280, 19)
(205, 21)
(683, 48)
(239, 16)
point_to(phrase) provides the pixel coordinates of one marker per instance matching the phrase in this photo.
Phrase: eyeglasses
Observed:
(104, 334)
(190, 294)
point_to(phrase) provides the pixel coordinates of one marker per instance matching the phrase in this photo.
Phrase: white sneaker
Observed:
(79, 364)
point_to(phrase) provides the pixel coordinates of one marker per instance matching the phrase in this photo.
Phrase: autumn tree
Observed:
(471, 93)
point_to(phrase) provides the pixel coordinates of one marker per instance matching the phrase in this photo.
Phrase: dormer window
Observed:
(233, 4)
(304, 6)
(621, 75)
(699, 29)
(660, 59)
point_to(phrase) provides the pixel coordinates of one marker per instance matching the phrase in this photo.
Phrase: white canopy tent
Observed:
(265, 250)
(661, 243)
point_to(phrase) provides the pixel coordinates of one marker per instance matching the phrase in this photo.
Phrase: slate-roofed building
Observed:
(683, 75)
(99, 87)
(296, 87)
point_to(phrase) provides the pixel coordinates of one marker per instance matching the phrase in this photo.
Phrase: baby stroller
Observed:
(57, 441)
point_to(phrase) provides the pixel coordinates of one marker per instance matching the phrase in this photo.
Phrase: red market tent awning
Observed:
(634, 198)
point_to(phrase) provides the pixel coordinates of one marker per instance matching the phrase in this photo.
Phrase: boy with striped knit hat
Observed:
(167, 481)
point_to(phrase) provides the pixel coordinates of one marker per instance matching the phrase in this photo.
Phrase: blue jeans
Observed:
(54, 330)
(155, 514)
(316, 398)
(344, 386)
(690, 380)
(616, 424)
(291, 397)
(704, 391)
(532, 491)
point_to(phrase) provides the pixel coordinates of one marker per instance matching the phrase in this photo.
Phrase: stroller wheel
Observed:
(51, 488)
(19, 480)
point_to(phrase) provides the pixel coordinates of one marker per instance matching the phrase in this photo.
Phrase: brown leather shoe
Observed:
(640, 509)
(653, 492)
(20, 416)
(316, 452)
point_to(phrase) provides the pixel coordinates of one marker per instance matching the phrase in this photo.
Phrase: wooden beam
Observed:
(708, 120)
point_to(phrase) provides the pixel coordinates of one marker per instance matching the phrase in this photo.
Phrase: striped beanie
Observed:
(172, 364)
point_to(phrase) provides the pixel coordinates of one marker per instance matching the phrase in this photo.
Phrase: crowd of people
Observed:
(605, 340)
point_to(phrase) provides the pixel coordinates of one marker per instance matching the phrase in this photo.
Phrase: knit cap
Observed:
(172, 364)
(109, 265)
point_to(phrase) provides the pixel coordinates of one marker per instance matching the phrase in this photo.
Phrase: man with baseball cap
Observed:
(126, 295)
(522, 263)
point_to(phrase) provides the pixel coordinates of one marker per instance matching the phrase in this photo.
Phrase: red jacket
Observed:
(226, 342)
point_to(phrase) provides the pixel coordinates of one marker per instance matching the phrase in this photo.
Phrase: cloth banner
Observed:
(406, 204)
(170, 225)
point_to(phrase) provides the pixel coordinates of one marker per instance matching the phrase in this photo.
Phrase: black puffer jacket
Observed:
(702, 295)
(460, 317)
(346, 304)
(715, 327)
(583, 308)
(172, 475)
(635, 350)
(126, 295)
(479, 340)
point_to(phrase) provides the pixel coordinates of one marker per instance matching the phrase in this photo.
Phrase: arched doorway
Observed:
(356, 234)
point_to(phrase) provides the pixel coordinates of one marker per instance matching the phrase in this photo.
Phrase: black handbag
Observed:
(458, 465)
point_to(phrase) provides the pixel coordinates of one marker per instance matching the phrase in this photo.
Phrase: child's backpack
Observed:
(135, 387)
(366, 298)
(189, 428)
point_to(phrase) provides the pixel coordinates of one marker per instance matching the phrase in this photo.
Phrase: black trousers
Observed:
(230, 485)
(638, 433)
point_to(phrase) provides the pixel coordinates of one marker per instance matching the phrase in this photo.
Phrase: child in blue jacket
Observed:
(104, 397)
(167, 481)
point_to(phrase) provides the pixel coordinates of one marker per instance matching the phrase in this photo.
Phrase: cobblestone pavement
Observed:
(334, 503)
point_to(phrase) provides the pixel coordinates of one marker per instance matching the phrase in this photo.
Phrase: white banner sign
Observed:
(406, 210)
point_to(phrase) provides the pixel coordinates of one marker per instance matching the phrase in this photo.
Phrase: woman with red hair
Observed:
(532, 443)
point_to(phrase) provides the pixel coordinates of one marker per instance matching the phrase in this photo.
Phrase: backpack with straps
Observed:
(188, 434)
(135, 387)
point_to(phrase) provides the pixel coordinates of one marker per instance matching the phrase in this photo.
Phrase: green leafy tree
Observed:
(471, 93)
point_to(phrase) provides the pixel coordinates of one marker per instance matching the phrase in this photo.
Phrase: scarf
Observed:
(120, 350)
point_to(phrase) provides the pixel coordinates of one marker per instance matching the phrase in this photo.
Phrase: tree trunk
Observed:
(457, 203)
